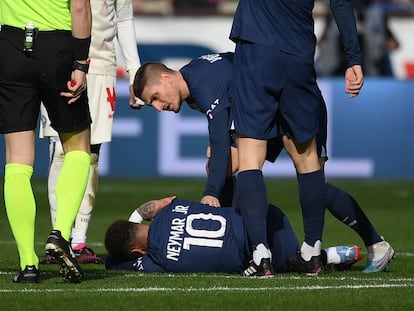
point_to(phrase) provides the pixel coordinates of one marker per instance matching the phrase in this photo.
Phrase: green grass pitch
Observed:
(388, 204)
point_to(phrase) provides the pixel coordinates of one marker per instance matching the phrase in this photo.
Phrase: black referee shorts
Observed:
(28, 80)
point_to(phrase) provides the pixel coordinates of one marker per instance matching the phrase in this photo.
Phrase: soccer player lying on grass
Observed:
(205, 84)
(186, 236)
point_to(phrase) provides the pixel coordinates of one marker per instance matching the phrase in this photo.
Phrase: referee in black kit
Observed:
(44, 58)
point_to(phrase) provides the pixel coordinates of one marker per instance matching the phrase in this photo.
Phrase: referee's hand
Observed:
(76, 86)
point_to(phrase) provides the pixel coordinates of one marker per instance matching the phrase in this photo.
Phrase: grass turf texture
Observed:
(388, 204)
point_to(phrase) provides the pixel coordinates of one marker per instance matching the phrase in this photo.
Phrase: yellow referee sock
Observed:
(21, 210)
(70, 189)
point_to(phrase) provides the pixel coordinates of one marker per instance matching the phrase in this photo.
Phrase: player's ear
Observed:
(165, 76)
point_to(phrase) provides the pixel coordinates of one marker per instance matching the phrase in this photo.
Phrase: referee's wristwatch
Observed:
(80, 66)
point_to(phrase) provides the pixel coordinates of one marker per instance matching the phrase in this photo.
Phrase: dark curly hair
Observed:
(119, 240)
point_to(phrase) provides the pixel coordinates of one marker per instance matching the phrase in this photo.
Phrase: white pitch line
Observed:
(100, 244)
(212, 289)
(278, 277)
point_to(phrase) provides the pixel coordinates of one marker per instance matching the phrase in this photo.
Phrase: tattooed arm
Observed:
(148, 210)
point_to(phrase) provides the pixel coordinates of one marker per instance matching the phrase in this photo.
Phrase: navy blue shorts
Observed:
(275, 145)
(274, 94)
(26, 81)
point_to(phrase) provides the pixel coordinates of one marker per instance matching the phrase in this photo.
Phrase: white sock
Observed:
(332, 256)
(307, 251)
(85, 211)
(260, 252)
(56, 158)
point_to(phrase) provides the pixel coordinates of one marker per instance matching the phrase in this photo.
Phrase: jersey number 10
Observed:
(201, 237)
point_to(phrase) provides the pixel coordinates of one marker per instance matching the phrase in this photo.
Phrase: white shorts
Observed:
(102, 99)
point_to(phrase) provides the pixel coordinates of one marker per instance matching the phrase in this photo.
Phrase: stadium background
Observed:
(369, 137)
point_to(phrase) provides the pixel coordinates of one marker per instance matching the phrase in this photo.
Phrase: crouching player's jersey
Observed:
(193, 237)
(209, 79)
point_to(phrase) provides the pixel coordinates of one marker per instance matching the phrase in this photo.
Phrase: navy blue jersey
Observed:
(193, 237)
(186, 236)
(209, 80)
(288, 25)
